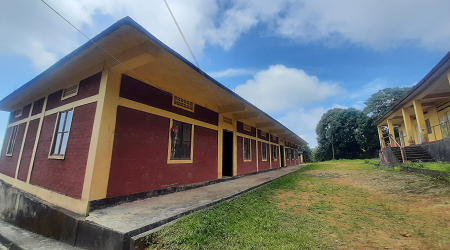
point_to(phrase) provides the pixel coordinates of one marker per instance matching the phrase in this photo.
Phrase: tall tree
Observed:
(349, 131)
(382, 100)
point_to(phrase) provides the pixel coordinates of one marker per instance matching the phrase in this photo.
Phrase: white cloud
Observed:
(32, 30)
(280, 89)
(231, 72)
(373, 23)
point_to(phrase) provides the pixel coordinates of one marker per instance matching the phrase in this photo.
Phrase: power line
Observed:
(101, 47)
(185, 41)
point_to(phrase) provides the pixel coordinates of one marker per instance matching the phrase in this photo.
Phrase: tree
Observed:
(349, 131)
(382, 100)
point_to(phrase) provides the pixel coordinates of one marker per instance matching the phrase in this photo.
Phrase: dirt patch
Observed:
(375, 209)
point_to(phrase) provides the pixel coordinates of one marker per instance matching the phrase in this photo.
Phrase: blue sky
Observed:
(294, 59)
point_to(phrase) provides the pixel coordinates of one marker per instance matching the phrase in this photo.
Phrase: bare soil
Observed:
(374, 209)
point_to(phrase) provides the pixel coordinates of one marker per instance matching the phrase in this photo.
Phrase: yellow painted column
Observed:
(235, 147)
(301, 157)
(391, 131)
(419, 117)
(408, 125)
(436, 133)
(380, 136)
(100, 150)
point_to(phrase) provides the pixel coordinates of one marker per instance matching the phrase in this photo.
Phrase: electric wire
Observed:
(187, 44)
(102, 47)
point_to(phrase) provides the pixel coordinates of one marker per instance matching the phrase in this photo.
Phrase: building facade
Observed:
(422, 116)
(93, 127)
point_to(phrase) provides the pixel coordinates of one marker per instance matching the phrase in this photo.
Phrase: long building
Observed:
(94, 129)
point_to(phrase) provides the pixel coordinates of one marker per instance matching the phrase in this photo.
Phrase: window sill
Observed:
(263, 160)
(179, 161)
(10, 155)
(248, 160)
(56, 157)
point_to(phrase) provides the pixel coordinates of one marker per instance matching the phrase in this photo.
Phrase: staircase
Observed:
(413, 153)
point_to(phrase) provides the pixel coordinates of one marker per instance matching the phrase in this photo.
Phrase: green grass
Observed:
(440, 166)
(252, 221)
(297, 211)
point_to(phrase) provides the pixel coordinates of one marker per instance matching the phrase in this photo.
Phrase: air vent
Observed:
(182, 103)
(18, 112)
(228, 120)
(247, 128)
(70, 92)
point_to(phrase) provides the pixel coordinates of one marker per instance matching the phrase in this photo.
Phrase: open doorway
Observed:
(282, 156)
(227, 153)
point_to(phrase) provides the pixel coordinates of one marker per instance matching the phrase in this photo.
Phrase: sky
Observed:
(294, 59)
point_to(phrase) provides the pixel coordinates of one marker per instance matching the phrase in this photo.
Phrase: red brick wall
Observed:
(141, 92)
(65, 176)
(240, 129)
(25, 113)
(87, 88)
(8, 164)
(28, 149)
(266, 138)
(139, 161)
(245, 167)
(263, 165)
(37, 107)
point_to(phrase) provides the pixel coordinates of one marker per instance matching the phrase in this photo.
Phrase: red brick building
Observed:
(89, 128)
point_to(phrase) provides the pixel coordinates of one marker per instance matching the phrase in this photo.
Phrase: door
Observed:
(282, 155)
(227, 153)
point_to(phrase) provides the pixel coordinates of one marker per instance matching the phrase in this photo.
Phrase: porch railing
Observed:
(444, 128)
(393, 142)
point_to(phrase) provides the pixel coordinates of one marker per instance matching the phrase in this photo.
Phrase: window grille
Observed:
(247, 149)
(61, 136)
(12, 140)
(274, 152)
(181, 141)
(70, 92)
(264, 151)
(182, 103)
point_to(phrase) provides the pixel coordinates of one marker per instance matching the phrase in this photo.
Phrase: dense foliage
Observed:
(380, 102)
(349, 131)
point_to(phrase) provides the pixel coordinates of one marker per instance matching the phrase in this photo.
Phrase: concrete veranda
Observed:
(119, 226)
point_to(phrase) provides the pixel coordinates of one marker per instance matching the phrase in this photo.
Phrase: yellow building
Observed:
(422, 115)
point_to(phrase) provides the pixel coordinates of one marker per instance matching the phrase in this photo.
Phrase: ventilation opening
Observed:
(18, 112)
(183, 103)
(70, 92)
(228, 120)
(247, 128)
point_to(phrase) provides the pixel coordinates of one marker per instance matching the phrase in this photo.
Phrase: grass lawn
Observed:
(430, 165)
(329, 205)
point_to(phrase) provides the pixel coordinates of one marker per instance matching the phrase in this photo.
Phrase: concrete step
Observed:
(17, 238)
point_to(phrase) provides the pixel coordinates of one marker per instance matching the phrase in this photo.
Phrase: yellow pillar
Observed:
(380, 136)
(391, 131)
(100, 150)
(420, 118)
(408, 125)
(301, 157)
(436, 133)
